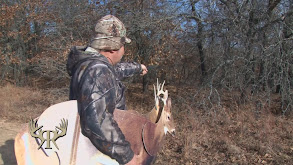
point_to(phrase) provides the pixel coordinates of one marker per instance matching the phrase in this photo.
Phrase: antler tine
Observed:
(162, 88)
(158, 86)
(155, 91)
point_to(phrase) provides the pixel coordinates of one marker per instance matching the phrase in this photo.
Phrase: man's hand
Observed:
(144, 70)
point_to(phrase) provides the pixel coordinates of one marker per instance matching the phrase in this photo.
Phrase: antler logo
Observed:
(34, 128)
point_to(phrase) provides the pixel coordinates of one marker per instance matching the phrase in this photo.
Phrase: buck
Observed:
(144, 132)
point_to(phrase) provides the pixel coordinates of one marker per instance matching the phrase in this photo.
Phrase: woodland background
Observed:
(227, 63)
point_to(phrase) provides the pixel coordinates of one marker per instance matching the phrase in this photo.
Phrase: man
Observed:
(95, 84)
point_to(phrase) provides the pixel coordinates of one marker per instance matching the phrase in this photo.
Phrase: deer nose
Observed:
(172, 132)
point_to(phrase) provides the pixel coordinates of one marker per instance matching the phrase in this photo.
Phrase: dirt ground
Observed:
(8, 131)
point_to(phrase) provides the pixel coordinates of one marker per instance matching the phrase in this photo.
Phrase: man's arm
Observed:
(125, 69)
(96, 104)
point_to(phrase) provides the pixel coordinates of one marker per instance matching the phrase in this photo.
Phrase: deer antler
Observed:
(33, 127)
(160, 90)
(63, 128)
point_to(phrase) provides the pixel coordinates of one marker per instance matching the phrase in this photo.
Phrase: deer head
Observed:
(166, 114)
(167, 118)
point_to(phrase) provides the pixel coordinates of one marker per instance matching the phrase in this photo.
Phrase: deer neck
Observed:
(153, 115)
(160, 129)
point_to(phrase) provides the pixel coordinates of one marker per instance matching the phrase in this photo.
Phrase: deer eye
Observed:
(168, 117)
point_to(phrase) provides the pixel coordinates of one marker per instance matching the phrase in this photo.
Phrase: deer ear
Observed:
(169, 103)
(166, 94)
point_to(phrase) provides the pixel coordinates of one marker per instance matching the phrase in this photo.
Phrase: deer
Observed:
(72, 147)
(146, 136)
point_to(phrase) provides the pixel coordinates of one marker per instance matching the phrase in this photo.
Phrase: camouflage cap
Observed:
(110, 34)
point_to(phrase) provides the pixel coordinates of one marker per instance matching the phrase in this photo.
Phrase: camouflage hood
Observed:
(77, 55)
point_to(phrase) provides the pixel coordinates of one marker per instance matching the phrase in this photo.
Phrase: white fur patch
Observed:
(165, 130)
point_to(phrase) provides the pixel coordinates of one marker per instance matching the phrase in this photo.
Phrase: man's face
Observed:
(118, 55)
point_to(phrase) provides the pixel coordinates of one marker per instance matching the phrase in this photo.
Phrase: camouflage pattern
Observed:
(96, 86)
(110, 34)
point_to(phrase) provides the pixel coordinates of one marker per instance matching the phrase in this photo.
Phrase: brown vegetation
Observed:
(231, 134)
(21, 104)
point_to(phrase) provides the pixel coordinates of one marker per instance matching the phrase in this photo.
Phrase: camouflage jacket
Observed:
(96, 86)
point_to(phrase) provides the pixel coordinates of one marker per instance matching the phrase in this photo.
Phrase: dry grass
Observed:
(232, 133)
(22, 103)
(228, 134)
